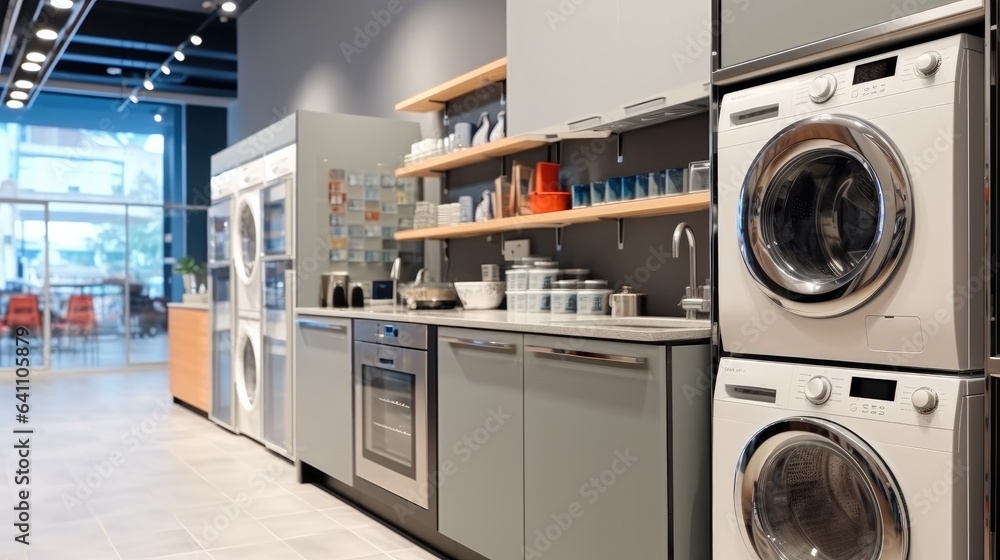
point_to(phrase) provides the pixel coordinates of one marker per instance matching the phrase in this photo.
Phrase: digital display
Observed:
(875, 70)
(878, 389)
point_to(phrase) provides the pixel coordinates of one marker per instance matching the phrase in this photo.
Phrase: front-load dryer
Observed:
(828, 463)
(850, 212)
(248, 379)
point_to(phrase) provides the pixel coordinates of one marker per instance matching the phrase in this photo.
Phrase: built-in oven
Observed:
(393, 442)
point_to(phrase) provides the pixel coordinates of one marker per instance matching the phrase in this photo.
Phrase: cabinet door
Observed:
(561, 63)
(595, 449)
(323, 392)
(480, 441)
(658, 67)
(279, 277)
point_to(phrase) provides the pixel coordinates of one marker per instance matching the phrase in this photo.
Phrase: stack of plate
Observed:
(449, 214)
(425, 215)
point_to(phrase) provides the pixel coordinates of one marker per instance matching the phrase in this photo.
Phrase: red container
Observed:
(542, 202)
(546, 177)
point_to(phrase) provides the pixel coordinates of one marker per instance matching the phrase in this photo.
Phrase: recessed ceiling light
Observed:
(19, 95)
(148, 84)
(15, 104)
(31, 67)
(196, 40)
(158, 117)
(165, 69)
(61, 4)
(229, 7)
(24, 84)
(47, 34)
(179, 56)
(133, 98)
(114, 71)
(35, 57)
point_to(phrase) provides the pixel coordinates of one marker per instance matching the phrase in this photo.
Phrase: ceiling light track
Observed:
(49, 32)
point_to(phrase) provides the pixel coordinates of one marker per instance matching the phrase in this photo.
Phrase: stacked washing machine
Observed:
(848, 412)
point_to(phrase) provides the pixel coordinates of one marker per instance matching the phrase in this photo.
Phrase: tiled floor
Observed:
(119, 472)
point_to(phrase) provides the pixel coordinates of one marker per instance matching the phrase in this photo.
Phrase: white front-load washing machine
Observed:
(247, 237)
(850, 212)
(248, 379)
(813, 462)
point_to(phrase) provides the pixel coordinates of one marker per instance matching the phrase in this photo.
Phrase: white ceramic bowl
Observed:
(480, 295)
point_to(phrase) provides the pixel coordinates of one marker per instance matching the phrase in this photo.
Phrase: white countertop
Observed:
(192, 306)
(636, 329)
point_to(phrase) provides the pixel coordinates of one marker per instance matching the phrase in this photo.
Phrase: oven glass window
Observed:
(821, 215)
(389, 419)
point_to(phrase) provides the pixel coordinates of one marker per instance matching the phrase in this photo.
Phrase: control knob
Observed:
(818, 390)
(927, 64)
(823, 88)
(925, 400)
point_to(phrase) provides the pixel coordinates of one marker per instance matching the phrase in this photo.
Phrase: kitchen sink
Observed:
(638, 322)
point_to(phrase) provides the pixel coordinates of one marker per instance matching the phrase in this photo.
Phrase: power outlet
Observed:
(517, 249)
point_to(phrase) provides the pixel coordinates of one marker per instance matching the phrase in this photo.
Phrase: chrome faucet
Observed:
(697, 299)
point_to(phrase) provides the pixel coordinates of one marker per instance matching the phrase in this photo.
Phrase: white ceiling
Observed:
(189, 5)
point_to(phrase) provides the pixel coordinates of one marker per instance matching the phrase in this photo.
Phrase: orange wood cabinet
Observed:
(189, 360)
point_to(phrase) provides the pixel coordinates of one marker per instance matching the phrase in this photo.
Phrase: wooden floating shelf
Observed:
(503, 147)
(435, 98)
(647, 207)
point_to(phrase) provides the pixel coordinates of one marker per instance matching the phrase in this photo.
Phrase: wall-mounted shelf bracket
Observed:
(502, 243)
(559, 239)
(621, 234)
(621, 153)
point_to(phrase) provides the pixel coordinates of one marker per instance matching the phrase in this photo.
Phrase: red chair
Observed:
(80, 322)
(22, 311)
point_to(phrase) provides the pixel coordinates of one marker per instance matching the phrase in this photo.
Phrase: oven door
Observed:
(390, 420)
(824, 215)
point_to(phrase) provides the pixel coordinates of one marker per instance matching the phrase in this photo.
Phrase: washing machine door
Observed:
(248, 374)
(824, 215)
(810, 489)
(247, 239)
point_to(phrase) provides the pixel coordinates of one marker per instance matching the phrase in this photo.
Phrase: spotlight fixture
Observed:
(148, 84)
(228, 7)
(114, 71)
(15, 104)
(179, 56)
(158, 117)
(47, 34)
(19, 95)
(61, 4)
(196, 40)
(133, 98)
(31, 67)
(35, 57)
(24, 84)
(165, 69)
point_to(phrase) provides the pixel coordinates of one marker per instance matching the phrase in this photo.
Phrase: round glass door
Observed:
(809, 489)
(248, 239)
(250, 372)
(824, 215)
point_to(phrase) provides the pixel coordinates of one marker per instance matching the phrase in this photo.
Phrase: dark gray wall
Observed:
(360, 58)
(645, 262)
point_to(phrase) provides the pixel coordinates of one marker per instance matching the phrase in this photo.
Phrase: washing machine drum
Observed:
(808, 489)
(824, 215)
(248, 241)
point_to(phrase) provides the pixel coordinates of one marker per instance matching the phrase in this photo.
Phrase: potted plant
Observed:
(189, 271)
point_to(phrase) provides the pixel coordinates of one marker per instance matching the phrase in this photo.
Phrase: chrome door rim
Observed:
(779, 435)
(871, 149)
(241, 257)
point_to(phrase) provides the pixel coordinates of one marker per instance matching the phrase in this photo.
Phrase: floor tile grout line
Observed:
(108, 536)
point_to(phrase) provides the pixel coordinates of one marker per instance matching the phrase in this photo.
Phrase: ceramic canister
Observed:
(563, 301)
(539, 301)
(517, 302)
(541, 278)
(517, 279)
(592, 302)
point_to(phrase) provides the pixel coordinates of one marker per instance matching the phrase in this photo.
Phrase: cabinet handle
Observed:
(645, 105)
(481, 344)
(582, 124)
(320, 325)
(586, 356)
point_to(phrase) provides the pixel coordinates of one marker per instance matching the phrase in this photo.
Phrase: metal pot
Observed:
(628, 303)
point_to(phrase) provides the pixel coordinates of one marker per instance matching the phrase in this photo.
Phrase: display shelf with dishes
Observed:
(643, 208)
(454, 160)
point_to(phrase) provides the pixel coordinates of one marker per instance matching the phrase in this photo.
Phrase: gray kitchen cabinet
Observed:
(575, 65)
(323, 395)
(601, 423)
(480, 441)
